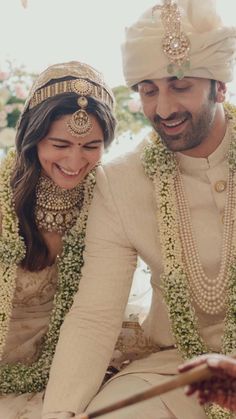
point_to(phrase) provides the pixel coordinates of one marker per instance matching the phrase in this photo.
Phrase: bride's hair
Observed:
(34, 126)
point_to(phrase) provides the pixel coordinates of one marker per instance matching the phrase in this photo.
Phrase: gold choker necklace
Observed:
(56, 209)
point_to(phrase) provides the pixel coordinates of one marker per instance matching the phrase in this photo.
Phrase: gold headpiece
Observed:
(175, 43)
(86, 82)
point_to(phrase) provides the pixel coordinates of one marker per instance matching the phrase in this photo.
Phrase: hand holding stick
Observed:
(221, 388)
(197, 374)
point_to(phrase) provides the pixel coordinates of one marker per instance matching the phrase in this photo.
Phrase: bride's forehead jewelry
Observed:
(175, 43)
(80, 123)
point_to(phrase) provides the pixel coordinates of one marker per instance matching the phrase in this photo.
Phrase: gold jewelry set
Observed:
(175, 43)
(57, 209)
(85, 82)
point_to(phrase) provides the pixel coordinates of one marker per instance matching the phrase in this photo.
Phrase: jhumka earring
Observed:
(175, 43)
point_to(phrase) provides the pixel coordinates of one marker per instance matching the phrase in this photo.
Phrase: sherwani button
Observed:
(220, 186)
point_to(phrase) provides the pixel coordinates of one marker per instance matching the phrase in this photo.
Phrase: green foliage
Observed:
(12, 118)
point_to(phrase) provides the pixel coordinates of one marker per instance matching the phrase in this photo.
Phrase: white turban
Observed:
(212, 52)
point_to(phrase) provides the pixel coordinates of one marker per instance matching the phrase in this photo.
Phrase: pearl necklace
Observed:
(208, 293)
(160, 166)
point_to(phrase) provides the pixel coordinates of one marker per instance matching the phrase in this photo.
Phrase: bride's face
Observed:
(67, 159)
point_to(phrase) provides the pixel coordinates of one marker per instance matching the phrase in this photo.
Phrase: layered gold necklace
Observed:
(57, 209)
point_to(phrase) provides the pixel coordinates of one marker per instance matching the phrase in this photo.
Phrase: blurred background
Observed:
(37, 33)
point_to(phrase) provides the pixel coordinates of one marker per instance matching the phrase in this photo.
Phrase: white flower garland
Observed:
(160, 165)
(12, 250)
(20, 378)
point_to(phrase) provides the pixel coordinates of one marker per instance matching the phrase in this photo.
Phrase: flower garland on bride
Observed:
(20, 378)
(161, 167)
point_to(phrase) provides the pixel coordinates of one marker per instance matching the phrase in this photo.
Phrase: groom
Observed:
(172, 202)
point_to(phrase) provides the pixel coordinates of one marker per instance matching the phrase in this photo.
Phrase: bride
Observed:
(46, 186)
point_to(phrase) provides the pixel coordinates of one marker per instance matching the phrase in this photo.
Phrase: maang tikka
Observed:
(89, 84)
(175, 43)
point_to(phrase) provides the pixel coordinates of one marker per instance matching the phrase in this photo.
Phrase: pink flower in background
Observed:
(14, 87)
(4, 75)
(21, 92)
(10, 108)
(134, 105)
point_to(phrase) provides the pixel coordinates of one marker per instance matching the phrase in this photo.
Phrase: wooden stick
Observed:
(197, 374)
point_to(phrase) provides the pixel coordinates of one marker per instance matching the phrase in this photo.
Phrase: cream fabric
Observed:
(213, 45)
(32, 306)
(156, 408)
(122, 223)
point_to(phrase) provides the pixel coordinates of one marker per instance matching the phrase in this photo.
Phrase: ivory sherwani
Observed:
(122, 224)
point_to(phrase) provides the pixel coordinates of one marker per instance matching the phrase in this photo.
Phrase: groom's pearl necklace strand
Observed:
(208, 293)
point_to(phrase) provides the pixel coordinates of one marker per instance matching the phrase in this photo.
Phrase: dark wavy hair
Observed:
(33, 127)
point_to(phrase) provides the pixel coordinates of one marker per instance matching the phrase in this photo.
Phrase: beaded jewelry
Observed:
(208, 293)
(56, 209)
(161, 167)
